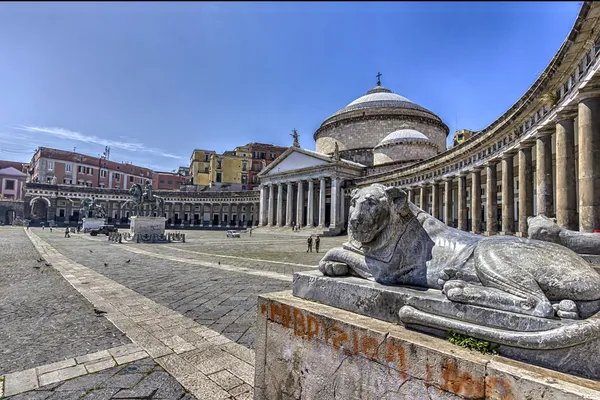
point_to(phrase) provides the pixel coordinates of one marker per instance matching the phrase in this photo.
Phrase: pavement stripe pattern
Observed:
(204, 362)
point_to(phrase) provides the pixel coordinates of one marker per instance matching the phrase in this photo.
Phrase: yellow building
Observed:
(200, 167)
(462, 135)
(228, 170)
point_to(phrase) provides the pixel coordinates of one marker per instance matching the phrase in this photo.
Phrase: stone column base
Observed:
(487, 233)
(324, 352)
(506, 233)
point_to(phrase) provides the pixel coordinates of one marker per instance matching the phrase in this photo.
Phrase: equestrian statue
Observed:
(145, 202)
(96, 209)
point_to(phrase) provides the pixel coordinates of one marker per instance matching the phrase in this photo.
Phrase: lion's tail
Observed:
(565, 336)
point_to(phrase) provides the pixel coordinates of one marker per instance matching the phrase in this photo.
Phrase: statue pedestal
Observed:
(146, 229)
(384, 303)
(92, 223)
(323, 352)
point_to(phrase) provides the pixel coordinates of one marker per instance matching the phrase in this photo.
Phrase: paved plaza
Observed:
(99, 320)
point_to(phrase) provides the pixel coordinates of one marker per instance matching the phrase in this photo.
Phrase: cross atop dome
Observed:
(378, 79)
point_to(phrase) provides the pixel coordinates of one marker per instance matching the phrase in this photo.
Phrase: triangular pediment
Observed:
(295, 158)
(10, 171)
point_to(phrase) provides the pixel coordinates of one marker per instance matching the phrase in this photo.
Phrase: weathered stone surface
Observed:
(546, 229)
(392, 241)
(316, 351)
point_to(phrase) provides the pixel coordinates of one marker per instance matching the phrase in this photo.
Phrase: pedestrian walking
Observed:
(42, 226)
(250, 231)
(78, 228)
(67, 232)
(317, 242)
(309, 244)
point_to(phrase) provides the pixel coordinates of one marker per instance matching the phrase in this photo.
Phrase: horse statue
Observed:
(90, 204)
(143, 198)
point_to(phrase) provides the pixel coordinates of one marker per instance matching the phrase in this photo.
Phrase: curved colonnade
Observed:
(542, 156)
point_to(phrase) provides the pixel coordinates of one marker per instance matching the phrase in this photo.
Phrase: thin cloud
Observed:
(80, 137)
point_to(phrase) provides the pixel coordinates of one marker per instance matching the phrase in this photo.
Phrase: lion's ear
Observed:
(400, 199)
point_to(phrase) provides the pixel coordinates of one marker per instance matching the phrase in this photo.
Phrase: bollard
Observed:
(138, 238)
(183, 237)
(119, 237)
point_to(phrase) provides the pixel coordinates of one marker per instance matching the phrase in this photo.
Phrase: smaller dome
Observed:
(403, 136)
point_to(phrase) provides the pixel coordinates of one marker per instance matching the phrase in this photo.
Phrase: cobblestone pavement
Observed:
(143, 379)
(42, 318)
(184, 304)
(221, 297)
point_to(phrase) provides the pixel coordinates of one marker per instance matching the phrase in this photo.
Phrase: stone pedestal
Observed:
(147, 229)
(308, 350)
(92, 223)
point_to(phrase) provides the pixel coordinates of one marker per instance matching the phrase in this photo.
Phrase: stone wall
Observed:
(8, 206)
(368, 132)
(307, 350)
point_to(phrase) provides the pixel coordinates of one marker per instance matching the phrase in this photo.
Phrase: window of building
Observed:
(68, 167)
(9, 184)
(48, 179)
(218, 177)
(117, 177)
(206, 157)
(131, 179)
(170, 182)
(50, 165)
(61, 213)
(103, 173)
(206, 170)
(162, 181)
(101, 184)
(272, 156)
(566, 87)
(219, 164)
(244, 166)
(588, 58)
(263, 155)
(244, 179)
(67, 181)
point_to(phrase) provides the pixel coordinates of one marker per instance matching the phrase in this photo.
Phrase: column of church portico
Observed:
(423, 197)
(543, 165)
(211, 213)
(230, 217)
(462, 201)
(279, 204)
(310, 213)
(342, 205)
(322, 195)
(508, 193)
(435, 199)
(271, 211)
(491, 197)
(263, 209)
(335, 202)
(525, 187)
(566, 196)
(448, 207)
(589, 161)
(289, 210)
(300, 204)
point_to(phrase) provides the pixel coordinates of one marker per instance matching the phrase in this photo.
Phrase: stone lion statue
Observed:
(546, 229)
(392, 241)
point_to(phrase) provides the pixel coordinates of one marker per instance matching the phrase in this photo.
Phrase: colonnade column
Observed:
(263, 209)
(212, 211)
(279, 204)
(525, 187)
(411, 195)
(342, 205)
(491, 197)
(435, 200)
(270, 219)
(589, 162)
(334, 202)
(322, 203)
(310, 213)
(508, 193)
(448, 208)
(300, 204)
(289, 211)
(543, 154)
(566, 196)
(462, 201)
(423, 197)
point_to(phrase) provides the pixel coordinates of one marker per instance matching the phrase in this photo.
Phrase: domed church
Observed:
(375, 133)
(382, 127)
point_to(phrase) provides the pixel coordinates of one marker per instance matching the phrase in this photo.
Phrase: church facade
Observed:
(542, 156)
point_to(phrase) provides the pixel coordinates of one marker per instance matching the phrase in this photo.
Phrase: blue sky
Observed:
(156, 80)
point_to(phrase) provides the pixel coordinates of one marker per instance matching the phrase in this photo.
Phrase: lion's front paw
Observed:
(454, 290)
(333, 268)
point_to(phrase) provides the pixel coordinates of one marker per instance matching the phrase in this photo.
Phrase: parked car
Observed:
(103, 230)
(232, 234)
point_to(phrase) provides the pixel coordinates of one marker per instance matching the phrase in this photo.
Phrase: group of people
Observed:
(310, 243)
(296, 227)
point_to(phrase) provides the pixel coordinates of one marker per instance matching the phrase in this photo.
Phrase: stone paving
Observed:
(42, 318)
(189, 308)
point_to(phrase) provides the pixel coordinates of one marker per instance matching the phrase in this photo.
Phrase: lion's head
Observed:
(372, 209)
